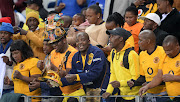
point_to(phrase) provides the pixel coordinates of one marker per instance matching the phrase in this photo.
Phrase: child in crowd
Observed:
(131, 25)
(6, 32)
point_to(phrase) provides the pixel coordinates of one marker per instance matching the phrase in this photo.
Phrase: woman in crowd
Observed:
(25, 70)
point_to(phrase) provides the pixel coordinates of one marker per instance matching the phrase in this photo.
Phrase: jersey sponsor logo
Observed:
(96, 59)
(91, 55)
(177, 63)
(150, 71)
(156, 60)
(171, 72)
(121, 63)
(21, 66)
(140, 11)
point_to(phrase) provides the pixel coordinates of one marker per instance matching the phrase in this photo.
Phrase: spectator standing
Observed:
(6, 33)
(152, 22)
(131, 25)
(170, 17)
(34, 36)
(121, 72)
(168, 71)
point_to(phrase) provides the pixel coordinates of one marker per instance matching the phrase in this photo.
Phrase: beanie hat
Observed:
(5, 19)
(32, 14)
(6, 27)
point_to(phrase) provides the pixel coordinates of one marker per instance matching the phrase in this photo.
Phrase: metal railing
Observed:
(81, 98)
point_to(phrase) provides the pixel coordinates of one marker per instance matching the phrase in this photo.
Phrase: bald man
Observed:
(169, 69)
(150, 58)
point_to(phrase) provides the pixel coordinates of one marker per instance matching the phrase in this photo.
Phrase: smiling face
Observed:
(32, 23)
(114, 41)
(82, 43)
(5, 36)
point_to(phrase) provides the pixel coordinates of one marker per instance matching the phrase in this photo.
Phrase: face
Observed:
(130, 18)
(32, 23)
(148, 24)
(76, 20)
(47, 48)
(114, 41)
(111, 25)
(142, 42)
(33, 6)
(17, 56)
(58, 46)
(92, 17)
(5, 37)
(82, 43)
(171, 49)
(162, 6)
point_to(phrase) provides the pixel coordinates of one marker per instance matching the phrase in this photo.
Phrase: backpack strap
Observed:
(125, 58)
(113, 55)
(66, 55)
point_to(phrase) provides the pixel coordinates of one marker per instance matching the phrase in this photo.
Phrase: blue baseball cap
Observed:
(6, 27)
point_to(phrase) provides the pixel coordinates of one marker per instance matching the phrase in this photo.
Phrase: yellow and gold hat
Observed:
(53, 28)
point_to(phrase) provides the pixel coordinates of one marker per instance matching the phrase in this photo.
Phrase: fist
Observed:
(40, 64)
(17, 74)
(6, 80)
(130, 83)
(71, 77)
(106, 95)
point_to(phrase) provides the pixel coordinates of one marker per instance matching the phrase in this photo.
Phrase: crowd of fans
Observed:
(90, 48)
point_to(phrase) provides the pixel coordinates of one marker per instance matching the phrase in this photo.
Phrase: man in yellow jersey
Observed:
(150, 58)
(120, 72)
(169, 69)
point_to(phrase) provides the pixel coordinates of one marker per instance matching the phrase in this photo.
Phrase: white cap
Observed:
(152, 16)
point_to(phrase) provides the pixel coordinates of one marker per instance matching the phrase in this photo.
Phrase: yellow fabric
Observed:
(122, 74)
(79, 92)
(135, 30)
(152, 9)
(97, 34)
(56, 59)
(32, 14)
(29, 68)
(171, 65)
(78, 78)
(83, 60)
(34, 40)
(149, 65)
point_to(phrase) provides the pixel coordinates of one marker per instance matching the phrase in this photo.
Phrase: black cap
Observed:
(119, 31)
(38, 2)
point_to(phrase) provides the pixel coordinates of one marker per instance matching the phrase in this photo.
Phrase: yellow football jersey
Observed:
(149, 65)
(172, 66)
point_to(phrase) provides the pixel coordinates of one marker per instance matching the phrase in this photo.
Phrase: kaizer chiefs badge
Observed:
(156, 60)
(177, 63)
(91, 55)
(121, 63)
(21, 66)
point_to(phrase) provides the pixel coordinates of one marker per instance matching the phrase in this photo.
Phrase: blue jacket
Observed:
(94, 71)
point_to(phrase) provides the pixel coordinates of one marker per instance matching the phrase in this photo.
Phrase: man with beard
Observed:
(34, 36)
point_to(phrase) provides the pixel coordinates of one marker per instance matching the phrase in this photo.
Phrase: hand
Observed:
(130, 83)
(62, 5)
(143, 90)
(71, 77)
(16, 29)
(106, 95)
(62, 73)
(115, 84)
(17, 74)
(7, 80)
(6, 60)
(23, 32)
(139, 2)
(34, 84)
(40, 64)
(167, 77)
(144, 84)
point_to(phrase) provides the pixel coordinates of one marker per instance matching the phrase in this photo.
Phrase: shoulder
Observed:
(133, 53)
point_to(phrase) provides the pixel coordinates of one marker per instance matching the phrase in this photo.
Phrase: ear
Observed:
(98, 15)
(36, 8)
(121, 39)
(155, 25)
(148, 41)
